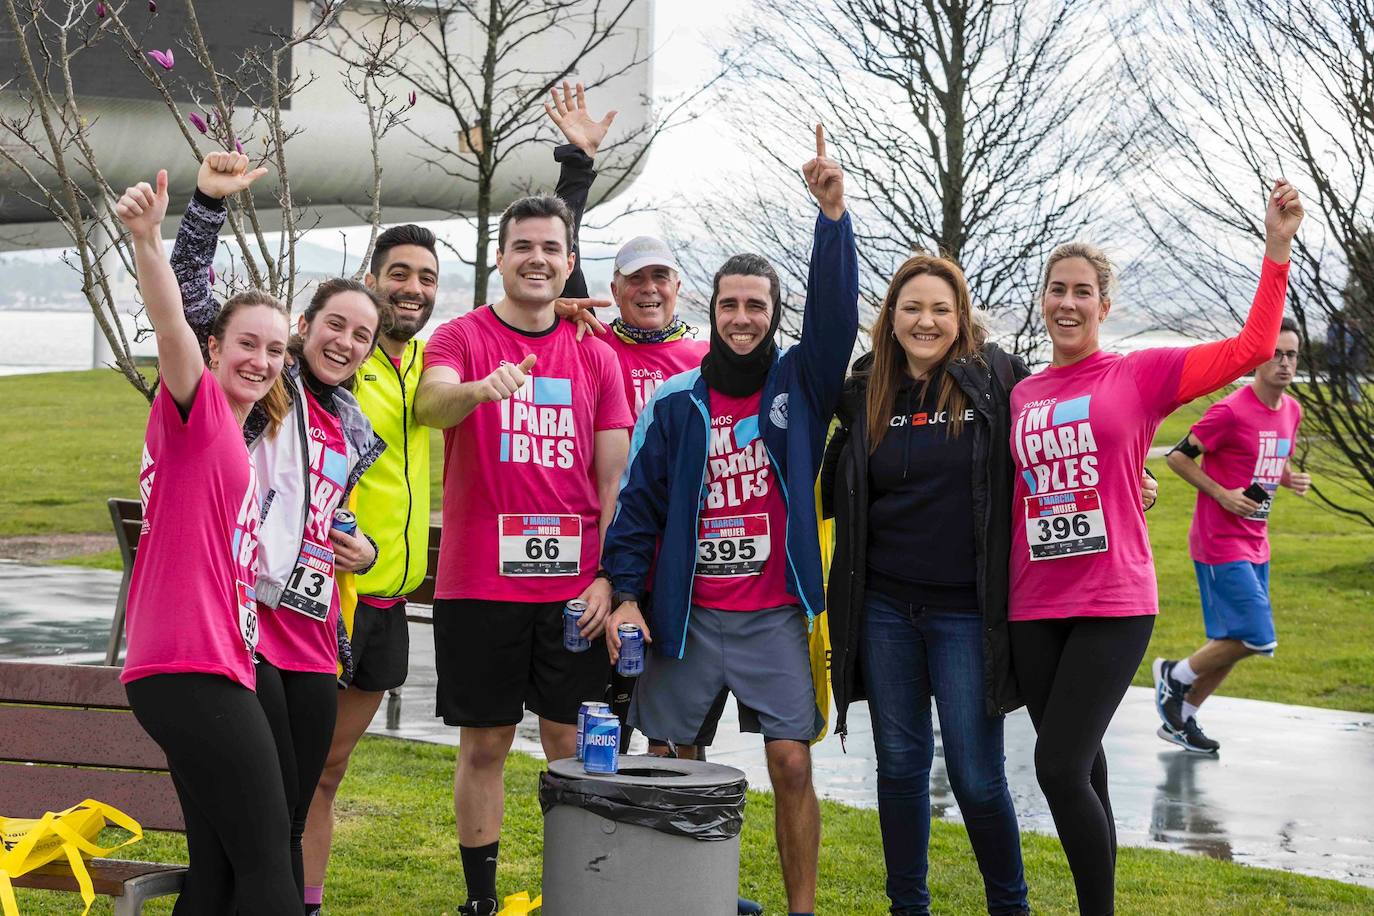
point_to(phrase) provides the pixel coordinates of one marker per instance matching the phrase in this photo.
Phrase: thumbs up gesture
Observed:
(142, 207)
(825, 179)
(223, 174)
(505, 381)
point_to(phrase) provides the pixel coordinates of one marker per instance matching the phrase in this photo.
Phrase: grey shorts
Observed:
(762, 657)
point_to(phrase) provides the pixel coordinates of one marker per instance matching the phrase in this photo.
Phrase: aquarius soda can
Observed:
(586, 709)
(631, 663)
(345, 521)
(602, 744)
(573, 640)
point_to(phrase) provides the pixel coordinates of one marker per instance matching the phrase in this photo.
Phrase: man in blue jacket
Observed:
(722, 465)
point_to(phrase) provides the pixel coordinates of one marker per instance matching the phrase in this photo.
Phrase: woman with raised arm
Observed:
(306, 468)
(192, 618)
(1083, 597)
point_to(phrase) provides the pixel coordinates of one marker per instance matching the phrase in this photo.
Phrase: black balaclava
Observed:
(727, 371)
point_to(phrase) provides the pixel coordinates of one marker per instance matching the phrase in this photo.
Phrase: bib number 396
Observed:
(540, 545)
(1066, 524)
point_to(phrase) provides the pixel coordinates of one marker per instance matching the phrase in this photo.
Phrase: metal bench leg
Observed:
(393, 709)
(138, 890)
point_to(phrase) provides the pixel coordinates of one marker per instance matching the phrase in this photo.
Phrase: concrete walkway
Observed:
(1292, 789)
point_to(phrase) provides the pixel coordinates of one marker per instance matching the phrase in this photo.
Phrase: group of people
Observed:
(990, 542)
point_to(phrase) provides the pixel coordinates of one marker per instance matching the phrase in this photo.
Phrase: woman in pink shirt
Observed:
(192, 614)
(1083, 599)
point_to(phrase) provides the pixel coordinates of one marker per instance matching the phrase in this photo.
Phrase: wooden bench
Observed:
(127, 517)
(69, 736)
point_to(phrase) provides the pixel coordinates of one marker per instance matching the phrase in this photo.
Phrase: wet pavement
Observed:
(1293, 787)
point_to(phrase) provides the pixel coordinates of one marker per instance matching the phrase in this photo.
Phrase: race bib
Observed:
(1262, 513)
(1066, 524)
(735, 545)
(248, 614)
(540, 545)
(310, 587)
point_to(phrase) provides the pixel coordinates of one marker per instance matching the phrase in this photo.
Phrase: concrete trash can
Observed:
(660, 836)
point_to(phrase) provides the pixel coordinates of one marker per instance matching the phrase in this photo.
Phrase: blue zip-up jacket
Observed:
(661, 492)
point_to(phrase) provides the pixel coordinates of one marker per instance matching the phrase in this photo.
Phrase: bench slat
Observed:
(107, 876)
(83, 737)
(71, 685)
(147, 797)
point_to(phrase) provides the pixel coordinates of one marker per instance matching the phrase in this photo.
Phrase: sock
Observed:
(1189, 711)
(479, 870)
(1183, 672)
(314, 895)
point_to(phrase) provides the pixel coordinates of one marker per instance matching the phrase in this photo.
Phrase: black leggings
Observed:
(224, 764)
(1073, 674)
(301, 707)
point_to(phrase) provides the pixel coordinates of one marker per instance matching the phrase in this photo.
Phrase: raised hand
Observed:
(1282, 217)
(223, 174)
(505, 381)
(825, 179)
(570, 113)
(142, 207)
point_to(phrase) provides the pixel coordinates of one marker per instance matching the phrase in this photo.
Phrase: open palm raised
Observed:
(569, 112)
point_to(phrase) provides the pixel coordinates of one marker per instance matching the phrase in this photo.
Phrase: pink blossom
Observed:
(212, 276)
(152, 6)
(100, 10)
(164, 59)
(413, 98)
(197, 122)
(238, 146)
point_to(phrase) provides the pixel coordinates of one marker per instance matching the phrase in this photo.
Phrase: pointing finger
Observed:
(820, 142)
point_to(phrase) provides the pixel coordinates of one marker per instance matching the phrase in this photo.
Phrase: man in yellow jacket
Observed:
(393, 508)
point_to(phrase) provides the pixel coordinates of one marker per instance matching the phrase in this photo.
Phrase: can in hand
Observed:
(586, 709)
(631, 662)
(602, 744)
(573, 640)
(345, 521)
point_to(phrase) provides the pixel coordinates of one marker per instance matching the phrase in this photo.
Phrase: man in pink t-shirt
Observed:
(1247, 439)
(535, 440)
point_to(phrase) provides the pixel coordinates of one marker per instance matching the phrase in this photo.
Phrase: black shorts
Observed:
(381, 647)
(495, 659)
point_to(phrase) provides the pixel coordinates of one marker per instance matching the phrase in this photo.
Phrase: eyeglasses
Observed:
(1289, 355)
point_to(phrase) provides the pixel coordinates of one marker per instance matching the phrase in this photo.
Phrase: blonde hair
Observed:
(1101, 265)
(276, 404)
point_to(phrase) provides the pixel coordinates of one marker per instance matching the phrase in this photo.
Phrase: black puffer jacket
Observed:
(987, 380)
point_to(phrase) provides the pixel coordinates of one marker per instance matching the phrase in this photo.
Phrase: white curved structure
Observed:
(329, 158)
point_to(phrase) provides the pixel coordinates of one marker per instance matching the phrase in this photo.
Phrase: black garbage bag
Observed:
(702, 813)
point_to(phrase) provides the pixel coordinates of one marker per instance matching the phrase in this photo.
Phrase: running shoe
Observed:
(1169, 695)
(483, 906)
(747, 907)
(1191, 738)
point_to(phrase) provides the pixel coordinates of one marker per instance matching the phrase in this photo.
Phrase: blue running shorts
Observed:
(1235, 603)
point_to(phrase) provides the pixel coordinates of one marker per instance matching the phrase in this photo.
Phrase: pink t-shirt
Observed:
(742, 527)
(300, 633)
(645, 366)
(1079, 438)
(1245, 442)
(521, 510)
(191, 607)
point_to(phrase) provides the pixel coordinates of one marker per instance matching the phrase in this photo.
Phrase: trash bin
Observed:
(660, 836)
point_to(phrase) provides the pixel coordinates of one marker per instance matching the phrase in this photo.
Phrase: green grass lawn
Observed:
(395, 853)
(76, 438)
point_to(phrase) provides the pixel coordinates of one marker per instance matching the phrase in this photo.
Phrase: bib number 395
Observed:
(733, 546)
(1066, 524)
(540, 545)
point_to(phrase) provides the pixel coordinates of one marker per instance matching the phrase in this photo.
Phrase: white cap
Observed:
(641, 252)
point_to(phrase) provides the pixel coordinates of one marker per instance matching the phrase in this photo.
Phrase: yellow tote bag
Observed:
(33, 842)
(820, 633)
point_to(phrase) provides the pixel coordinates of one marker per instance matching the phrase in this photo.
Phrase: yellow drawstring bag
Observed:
(33, 842)
(520, 904)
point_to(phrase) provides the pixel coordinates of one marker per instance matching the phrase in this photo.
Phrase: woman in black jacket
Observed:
(918, 478)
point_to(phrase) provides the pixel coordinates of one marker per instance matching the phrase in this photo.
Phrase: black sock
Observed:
(479, 869)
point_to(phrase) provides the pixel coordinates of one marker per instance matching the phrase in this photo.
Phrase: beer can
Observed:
(586, 709)
(573, 640)
(631, 662)
(602, 744)
(345, 521)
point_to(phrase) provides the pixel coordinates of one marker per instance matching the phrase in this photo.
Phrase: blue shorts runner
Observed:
(1235, 603)
(762, 657)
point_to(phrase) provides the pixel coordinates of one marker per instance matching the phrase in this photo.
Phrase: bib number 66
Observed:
(542, 548)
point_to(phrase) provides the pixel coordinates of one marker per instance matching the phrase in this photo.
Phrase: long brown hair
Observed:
(276, 404)
(889, 359)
